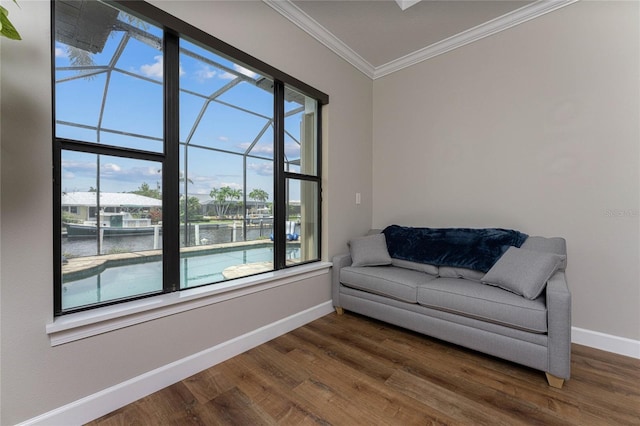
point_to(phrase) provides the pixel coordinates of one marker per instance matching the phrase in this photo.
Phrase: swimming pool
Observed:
(128, 280)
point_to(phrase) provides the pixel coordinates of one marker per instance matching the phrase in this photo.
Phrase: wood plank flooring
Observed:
(351, 370)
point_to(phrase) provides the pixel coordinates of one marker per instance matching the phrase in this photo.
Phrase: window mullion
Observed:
(280, 200)
(319, 173)
(293, 175)
(171, 166)
(57, 219)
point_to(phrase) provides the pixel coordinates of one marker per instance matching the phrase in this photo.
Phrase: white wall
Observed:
(35, 377)
(535, 128)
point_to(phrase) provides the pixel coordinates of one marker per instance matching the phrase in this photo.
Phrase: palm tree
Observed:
(189, 209)
(236, 194)
(224, 196)
(218, 195)
(259, 195)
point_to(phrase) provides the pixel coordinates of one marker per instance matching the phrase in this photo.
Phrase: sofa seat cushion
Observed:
(398, 283)
(487, 303)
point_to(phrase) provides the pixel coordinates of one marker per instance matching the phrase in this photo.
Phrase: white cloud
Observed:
(292, 149)
(260, 148)
(203, 184)
(223, 138)
(115, 176)
(78, 166)
(205, 73)
(61, 52)
(111, 167)
(261, 169)
(232, 185)
(155, 70)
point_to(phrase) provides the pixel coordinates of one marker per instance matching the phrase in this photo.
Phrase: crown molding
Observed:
(296, 15)
(526, 13)
(501, 23)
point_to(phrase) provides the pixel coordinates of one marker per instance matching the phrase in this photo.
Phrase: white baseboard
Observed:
(110, 399)
(606, 342)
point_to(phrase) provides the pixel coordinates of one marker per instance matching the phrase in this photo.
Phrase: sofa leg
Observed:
(554, 382)
(339, 310)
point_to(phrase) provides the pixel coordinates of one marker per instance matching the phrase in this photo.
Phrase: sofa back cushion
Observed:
(422, 267)
(554, 245)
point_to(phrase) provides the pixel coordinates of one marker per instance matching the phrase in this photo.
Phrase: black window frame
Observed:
(174, 29)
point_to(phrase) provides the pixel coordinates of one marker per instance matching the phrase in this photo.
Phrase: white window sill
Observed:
(72, 327)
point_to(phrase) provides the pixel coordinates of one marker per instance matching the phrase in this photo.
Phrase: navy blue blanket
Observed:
(468, 248)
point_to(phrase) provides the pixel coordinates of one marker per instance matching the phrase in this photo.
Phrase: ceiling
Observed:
(379, 37)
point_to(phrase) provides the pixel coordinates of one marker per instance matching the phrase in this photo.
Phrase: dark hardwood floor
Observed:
(351, 370)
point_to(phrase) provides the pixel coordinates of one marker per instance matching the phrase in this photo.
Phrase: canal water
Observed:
(78, 247)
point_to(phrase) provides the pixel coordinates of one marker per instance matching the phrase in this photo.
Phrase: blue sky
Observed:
(134, 105)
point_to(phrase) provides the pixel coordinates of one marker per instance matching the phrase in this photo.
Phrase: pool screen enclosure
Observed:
(167, 142)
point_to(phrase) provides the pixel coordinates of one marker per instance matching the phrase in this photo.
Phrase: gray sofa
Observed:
(481, 310)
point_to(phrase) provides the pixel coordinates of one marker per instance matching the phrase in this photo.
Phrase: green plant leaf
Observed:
(6, 27)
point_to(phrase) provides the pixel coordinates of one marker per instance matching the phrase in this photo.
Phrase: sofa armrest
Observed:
(559, 325)
(339, 262)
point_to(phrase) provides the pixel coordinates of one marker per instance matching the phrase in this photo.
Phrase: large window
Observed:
(179, 161)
